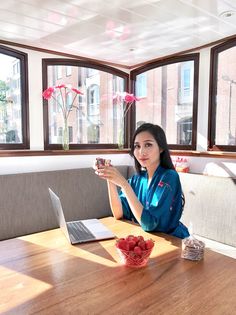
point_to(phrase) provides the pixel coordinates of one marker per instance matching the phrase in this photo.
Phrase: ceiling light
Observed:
(227, 14)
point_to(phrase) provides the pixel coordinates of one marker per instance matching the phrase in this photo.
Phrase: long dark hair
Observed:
(159, 135)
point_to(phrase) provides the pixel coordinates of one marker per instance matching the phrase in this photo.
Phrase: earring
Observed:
(143, 168)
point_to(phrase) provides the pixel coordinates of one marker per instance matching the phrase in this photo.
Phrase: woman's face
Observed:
(146, 150)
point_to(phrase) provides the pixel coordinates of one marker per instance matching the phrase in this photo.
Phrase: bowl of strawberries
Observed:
(134, 251)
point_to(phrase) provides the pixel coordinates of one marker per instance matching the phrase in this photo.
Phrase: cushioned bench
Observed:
(210, 206)
(26, 206)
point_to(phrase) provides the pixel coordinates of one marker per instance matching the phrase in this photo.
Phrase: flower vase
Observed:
(65, 136)
(121, 137)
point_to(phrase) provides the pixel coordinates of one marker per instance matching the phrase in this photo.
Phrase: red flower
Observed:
(77, 91)
(47, 94)
(130, 98)
(62, 91)
(60, 86)
(160, 184)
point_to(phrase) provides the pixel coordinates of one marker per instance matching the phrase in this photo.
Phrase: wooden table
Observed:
(43, 274)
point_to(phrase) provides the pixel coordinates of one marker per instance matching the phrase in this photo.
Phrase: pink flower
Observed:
(130, 98)
(77, 91)
(60, 86)
(47, 94)
(62, 91)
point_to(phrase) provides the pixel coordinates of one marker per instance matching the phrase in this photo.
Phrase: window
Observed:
(70, 129)
(69, 99)
(141, 85)
(185, 131)
(68, 71)
(222, 106)
(91, 72)
(170, 89)
(93, 101)
(13, 99)
(59, 72)
(186, 82)
(93, 120)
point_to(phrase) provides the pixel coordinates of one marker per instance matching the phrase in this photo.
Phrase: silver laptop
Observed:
(79, 231)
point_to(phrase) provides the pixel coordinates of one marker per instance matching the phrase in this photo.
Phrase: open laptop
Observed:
(79, 231)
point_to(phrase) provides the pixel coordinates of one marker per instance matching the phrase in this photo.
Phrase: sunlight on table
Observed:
(19, 289)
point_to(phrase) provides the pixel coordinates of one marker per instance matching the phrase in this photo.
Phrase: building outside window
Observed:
(93, 119)
(169, 101)
(141, 85)
(185, 131)
(186, 82)
(69, 99)
(59, 72)
(93, 101)
(68, 71)
(70, 128)
(223, 101)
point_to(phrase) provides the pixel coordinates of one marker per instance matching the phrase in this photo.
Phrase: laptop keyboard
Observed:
(79, 231)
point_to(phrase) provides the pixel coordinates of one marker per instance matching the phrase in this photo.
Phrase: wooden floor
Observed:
(43, 274)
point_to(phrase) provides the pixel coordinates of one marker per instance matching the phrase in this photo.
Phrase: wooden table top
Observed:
(43, 274)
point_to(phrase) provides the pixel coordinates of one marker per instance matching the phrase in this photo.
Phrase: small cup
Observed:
(101, 163)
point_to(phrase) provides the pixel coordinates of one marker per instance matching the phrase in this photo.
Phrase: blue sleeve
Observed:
(127, 213)
(165, 206)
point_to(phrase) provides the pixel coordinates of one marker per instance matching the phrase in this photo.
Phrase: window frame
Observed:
(212, 146)
(164, 62)
(23, 57)
(73, 62)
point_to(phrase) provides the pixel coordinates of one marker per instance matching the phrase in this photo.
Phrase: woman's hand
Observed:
(111, 174)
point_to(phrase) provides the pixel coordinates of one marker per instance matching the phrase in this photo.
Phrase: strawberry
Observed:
(119, 239)
(123, 244)
(137, 250)
(135, 239)
(142, 245)
(131, 244)
(149, 244)
(129, 237)
(140, 238)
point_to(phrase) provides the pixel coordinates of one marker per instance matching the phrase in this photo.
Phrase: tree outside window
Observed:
(13, 105)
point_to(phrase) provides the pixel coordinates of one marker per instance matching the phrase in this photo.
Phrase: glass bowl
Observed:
(131, 259)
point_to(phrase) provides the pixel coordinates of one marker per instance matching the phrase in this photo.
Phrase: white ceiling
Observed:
(125, 32)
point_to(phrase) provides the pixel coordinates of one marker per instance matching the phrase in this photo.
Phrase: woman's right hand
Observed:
(111, 174)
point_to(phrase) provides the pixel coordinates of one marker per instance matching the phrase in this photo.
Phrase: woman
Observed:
(153, 197)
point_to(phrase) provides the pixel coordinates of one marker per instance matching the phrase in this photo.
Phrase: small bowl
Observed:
(130, 259)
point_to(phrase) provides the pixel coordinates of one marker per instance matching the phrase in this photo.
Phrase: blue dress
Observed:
(161, 200)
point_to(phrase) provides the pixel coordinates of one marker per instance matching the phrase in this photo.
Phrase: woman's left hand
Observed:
(111, 174)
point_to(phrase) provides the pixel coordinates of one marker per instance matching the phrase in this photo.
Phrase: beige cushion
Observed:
(210, 206)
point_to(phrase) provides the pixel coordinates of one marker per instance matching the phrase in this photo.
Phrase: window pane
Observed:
(141, 85)
(226, 98)
(168, 101)
(68, 70)
(95, 116)
(10, 100)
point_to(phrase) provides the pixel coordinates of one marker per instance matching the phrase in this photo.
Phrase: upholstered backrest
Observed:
(25, 205)
(210, 206)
